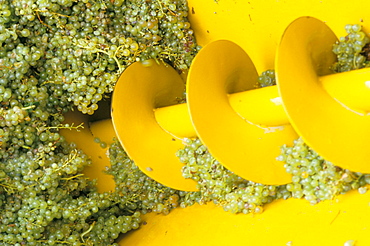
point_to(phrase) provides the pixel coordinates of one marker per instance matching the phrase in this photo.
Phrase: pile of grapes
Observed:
(352, 50)
(79, 48)
(142, 193)
(60, 55)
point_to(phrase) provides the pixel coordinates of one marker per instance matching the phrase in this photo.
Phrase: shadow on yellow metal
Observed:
(324, 120)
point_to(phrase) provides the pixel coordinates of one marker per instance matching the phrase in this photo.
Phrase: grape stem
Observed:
(88, 230)
(66, 126)
(97, 50)
(7, 188)
(71, 157)
(76, 176)
(41, 21)
(160, 6)
(53, 13)
(29, 107)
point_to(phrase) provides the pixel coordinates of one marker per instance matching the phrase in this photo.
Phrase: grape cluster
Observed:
(267, 78)
(13, 116)
(350, 50)
(316, 179)
(46, 200)
(221, 186)
(139, 192)
(313, 179)
(77, 49)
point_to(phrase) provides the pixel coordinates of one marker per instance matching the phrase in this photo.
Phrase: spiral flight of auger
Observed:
(244, 127)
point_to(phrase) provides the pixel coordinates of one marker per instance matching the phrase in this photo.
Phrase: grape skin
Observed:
(267, 78)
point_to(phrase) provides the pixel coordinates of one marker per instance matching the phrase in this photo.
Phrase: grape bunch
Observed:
(138, 191)
(351, 50)
(221, 186)
(313, 179)
(78, 49)
(267, 78)
(316, 179)
(45, 199)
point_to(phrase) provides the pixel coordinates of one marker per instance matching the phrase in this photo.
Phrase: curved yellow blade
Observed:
(247, 149)
(138, 92)
(336, 132)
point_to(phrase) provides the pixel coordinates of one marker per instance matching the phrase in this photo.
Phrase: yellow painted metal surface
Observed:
(352, 89)
(291, 222)
(138, 92)
(176, 121)
(334, 131)
(257, 26)
(262, 106)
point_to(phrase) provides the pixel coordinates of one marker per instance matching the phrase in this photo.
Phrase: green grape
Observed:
(351, 51)
(140, 192)
(118, 35)
(316, 179)
(221, 186)
(267, 78)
